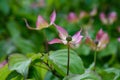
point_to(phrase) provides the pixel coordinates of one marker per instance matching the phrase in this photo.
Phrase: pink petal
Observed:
(119, 39)
(3, 63)
(41, 23)
(55, 41)
(93, 12)
(63, 34)
(72, 17)
(90, 42)
(112, 17)
(52, 17)
(76, 42)
(103, 41)
(102, 15)
(99, 34)
(82, 14)
(77, 37)
(103, 18)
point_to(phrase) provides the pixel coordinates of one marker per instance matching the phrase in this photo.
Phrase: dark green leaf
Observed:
(59, 60)
(14, 76)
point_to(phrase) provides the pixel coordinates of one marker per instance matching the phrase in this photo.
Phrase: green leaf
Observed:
(86, 76)
(34, 56)
(109, 74)
(59, 60)
(35, 73)
(20, 63)
(6, 47)
(14, 76)
(50, 76)
(115, 71)
(4, 72)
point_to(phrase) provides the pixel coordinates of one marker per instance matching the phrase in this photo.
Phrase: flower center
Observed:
(69, 38)
(96, 42)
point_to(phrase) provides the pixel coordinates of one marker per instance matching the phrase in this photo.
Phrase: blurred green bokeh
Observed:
(15, 37)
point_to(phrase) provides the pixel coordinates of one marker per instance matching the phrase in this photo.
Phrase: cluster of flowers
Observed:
(98, 44)
(105, 19)
(102, 38)
(72, 17)
(63, 34)
(108, 19)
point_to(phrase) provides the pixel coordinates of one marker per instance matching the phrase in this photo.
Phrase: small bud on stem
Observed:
(69, 38)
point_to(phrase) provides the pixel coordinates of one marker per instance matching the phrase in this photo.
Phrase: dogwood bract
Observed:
(108, 19)
(42, 23)
(100, 42)
(63, 34)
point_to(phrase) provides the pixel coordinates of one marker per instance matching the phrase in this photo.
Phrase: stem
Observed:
(68, 62)
(54, 72)
(46, 42)
(95, 54)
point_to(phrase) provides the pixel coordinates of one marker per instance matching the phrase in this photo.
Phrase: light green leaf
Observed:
(37, 72)
(4, 72)
(34, 56)
(59, 60)
(86, 76)
(20, 63)
(115, 71)
(109, 74)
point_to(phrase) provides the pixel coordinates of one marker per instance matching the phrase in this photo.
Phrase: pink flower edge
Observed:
(56, 40)
(52, 17)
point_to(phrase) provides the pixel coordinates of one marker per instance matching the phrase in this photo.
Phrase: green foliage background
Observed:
(16, 38)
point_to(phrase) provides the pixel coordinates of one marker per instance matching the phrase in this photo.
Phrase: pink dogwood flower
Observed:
(110, 19)
(72, 17)
(100, 42)
(83, 14)
(103, 18)
(42, 23)
(93, 12)
(63, 34)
